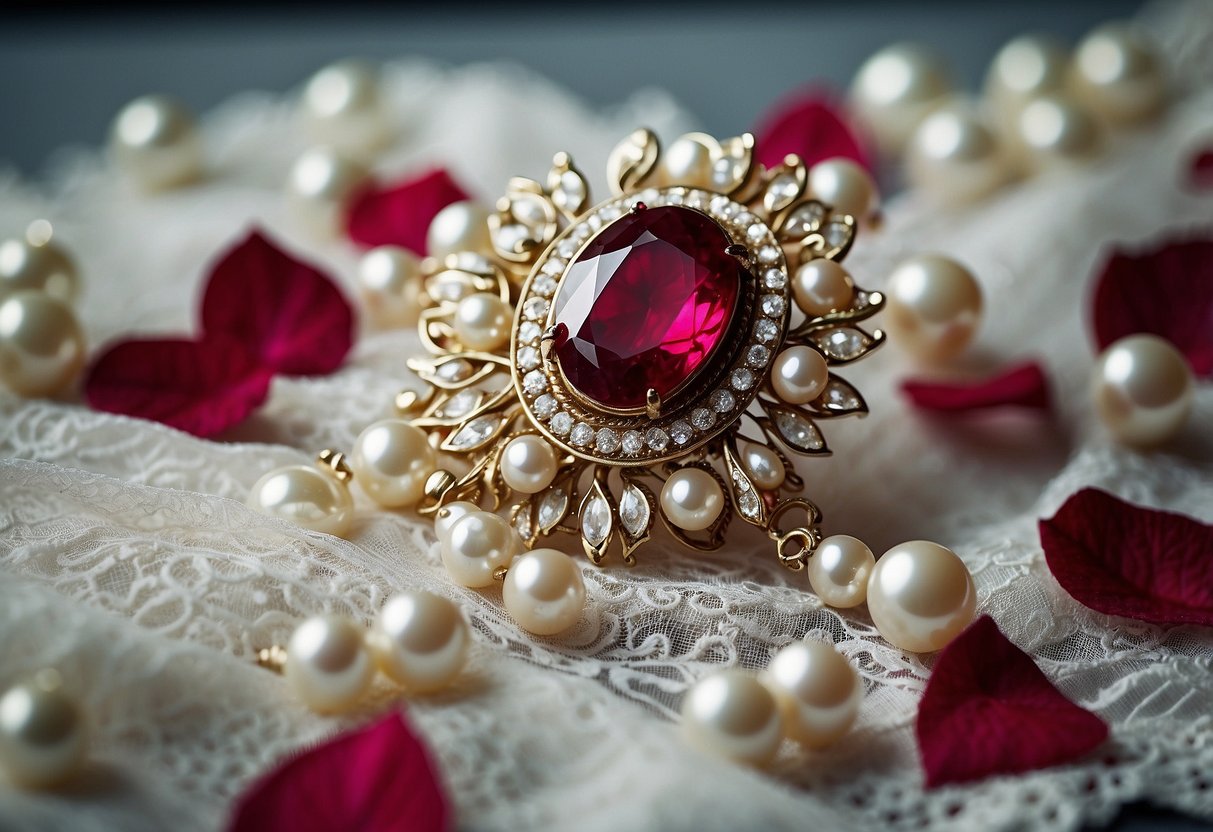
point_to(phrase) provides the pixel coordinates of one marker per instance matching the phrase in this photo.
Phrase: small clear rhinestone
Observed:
(633, 442)
(566, 248)
(783, 189)
(842, 344)
(766, 330)
(742, 379)
(745, 219)
(756, 233)
(535, 309)
(681, 432)
(702, 418)
(773, 305)
(534, 382)
(610, 213)
(544, 285)
(656, 438)
(562, 423)
(723, 401)
(582, 434)
(528, 358)
(606, 441)
(757, 356)
(553, 267)
(723, 206)
(768, 255)
(748, 504)
(529, 332)
(545, 405)
(775, 279)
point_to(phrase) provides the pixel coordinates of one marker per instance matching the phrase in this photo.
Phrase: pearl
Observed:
(319, 187)
(844, 186)
(43, 736)
(460, 226)
(895, 89)
(920, 596)
(1025, 68)
(692, 499)
(1057, 132)
(447, 517)
(764, 466)
(732, 714)
(955, 156)
(482, 321)
(389, 280)
(544, 591)
(822, 286)
(688, 161)
(477, 545)
(41, 344)
(1143, 390)
(420, 640)
(43, 266)
(154, 141)
(934, 306)
(342, 107)
(818, 691)
(327, 663)
(799, 374)
(392, 459)
(306, 496)
(839, 570)
(1118, 74)
(528, 464)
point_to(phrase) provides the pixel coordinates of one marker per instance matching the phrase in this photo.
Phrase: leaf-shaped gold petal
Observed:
(832, 240)
(597, 522)
(731, 168)
(632, 160)
(864, 304)
(455, 371)
(796, 430)
(746, 496)
(844, 344)
(801, 220)
(524, 224)
(839, 398)
(570, 192)
(475, 433)
(785, 185)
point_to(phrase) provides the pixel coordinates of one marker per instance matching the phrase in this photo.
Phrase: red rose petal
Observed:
(377, 779)
(400, 215)
(1200, 171)
(1022, 386)
(809, 124)
(1121, 559)
(287, 313)
(202, 388)
(989, 710)
(1166, 290)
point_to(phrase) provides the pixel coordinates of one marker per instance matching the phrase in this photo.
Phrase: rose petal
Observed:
(1024, 386)
(1122, 559)
(400, 215)
(287, 313)
(810, 125)
(1166, 290)
(375, 779)
(201, 388)
(988, 709)
(1200, 171)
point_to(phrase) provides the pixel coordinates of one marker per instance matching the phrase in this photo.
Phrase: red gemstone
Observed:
(645, 305)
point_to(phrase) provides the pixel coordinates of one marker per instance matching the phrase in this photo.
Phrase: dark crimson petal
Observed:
(809, 124)
(201, 388)
(1200, 171)
(989, 710)
(377, 779)
(1122, 559)
(1024, 386)
(399, 215)
(286, 312)
(1166, 290)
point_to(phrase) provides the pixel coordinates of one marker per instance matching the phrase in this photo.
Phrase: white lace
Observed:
(128, 560)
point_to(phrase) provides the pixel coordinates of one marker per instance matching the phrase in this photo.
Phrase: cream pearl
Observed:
(420, 640)
(955, 156)
(477, 545)
(764, 466)
(1056, 132)
(392, 459)
(460, 226)
(306, 496)
(1143, 390)
(327, 663)
(799, 374)
(319, 187)
(342, 107)
(921, 596)
(895, 89)
(839, 570)
(389, 280)
(1118, 73)
(732, 714)
(154, 141)
(528, 464)
(1025, 68)
(692, 499)
(822, 286)
(482, 321)
(43, 736)
(544, 591)
(687, 161)
(41, 344)
(934, 306)
(844, 186)
(37, 267)
(448, 515)
(818, 692)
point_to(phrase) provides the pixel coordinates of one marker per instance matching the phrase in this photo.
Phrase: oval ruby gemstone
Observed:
(645, 305)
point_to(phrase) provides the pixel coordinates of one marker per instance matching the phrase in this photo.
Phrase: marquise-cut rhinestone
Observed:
(596, 521)
(634, 511)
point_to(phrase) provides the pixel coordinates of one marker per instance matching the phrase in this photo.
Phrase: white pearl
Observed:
(448, 515)
(764, 466)
(955, 156)
(319, 187)
(41, 344)
(1025, 68)
(921, 596)
(1143, 390)
(392, 459)
(420, 640)
(687, 161)
(389, 280)
(799, 374)
(342, 107)
(154, 141)
(544, 591)
(43, 736)
(822, 286)
(327, 663)
(37, 267)
(482, 321)
(692, 499)
(306, 496)
(528, 464)
(1056, 132)
(460, 226)
(477, 545)
(818, 691)
(1118, 74)
(934, 306)
(732, 714)
(844, 186)
(839, 570)
(895, 89)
